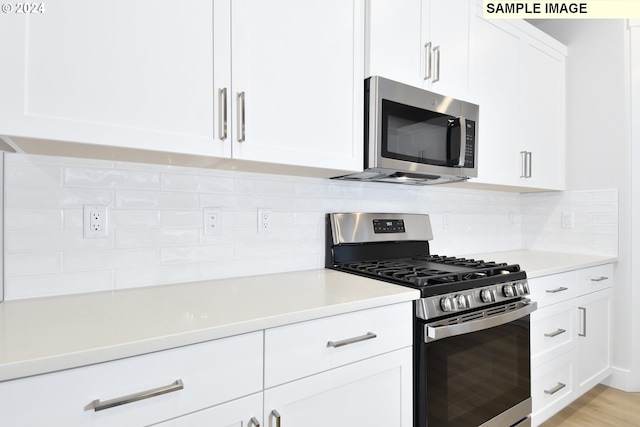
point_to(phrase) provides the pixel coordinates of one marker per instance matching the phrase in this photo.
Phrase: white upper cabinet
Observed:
(543, 105)
(423, 43)
(298, 82)
(117, 73)
(154, 75)
(494, 86)
(517, 77)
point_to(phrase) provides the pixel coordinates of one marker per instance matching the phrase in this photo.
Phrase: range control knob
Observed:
(522, 288)
(488, 295)
(463, 301)
(509, 291)
(449, 304)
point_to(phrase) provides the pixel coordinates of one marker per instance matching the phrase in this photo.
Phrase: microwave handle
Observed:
(463, 140)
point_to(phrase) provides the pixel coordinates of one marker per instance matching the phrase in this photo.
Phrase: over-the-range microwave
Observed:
(414, 136)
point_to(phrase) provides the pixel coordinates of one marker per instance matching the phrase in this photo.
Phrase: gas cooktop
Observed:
(395, 248)
(434, 274)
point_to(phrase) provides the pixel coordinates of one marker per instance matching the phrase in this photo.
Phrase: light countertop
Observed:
(49, 334)
(539, 263)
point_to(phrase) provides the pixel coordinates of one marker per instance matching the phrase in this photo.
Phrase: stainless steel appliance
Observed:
(413, 136)
(471, 329)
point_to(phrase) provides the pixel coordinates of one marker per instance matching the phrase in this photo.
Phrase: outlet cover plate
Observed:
(94, 221)
(211, 220)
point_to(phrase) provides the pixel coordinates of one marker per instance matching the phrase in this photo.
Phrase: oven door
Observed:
(474, 370)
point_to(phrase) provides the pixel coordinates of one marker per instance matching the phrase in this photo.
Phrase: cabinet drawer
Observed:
(302, 349)
(552, 387)
(552, 332)
(552, 289)
(211, 373)
(594, 279)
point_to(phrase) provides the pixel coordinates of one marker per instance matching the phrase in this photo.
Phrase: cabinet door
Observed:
(375, 392)
(115, 73)
(594, 339)
(519, 83)
(298, 70)
(543, 108)
(421, 43)
(494, 86)
(448, 32)
(396, 46)
(237, 413)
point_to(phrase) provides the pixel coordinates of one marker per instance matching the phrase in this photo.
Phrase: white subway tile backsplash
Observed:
(18, 287)
(595, 221)
(41, 175)
(155, 231)
(110, 178)
(34, 220)
(30, 264)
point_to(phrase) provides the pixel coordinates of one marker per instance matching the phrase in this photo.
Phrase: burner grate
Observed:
(420, 272)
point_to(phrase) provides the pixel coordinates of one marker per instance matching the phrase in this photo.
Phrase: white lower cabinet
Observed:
(570, 337)
(343, 370)
(373, 392)
(594, 336)
(244, 412)
(108, 394)
(346, 370)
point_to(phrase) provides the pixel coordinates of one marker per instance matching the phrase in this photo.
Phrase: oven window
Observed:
(473, 377)
(418, 135)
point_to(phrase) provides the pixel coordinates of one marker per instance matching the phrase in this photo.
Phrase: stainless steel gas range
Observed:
(471, 328)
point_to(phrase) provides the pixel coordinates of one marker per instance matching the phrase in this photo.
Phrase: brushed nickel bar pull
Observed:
(556, 333)
(97, 405)
(555, 389)
(277, 416)
(436, 67)
(427, 61)
(222, 114)
(584, 322)
(554, 291)
(367, 336)
(600, 279)
(241, 117)
(253, 422)
(526, 164)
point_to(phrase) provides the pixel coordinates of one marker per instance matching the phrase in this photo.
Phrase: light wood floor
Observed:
(601, 406)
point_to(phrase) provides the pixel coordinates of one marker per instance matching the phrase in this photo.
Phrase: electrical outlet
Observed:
(212, 219)
(264, 221)
(446, 220)
(95, 221)
(567, 220)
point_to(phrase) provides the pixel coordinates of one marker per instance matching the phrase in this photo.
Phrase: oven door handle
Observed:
(433, 332)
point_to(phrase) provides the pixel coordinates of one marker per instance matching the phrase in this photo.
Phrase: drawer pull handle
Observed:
(367, 336)
(556, 333)
(600, 279)
(97, 405)
(556, 290)
(555, 389)
(253, 422)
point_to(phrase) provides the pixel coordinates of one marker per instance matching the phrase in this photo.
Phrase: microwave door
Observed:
(417, 135)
